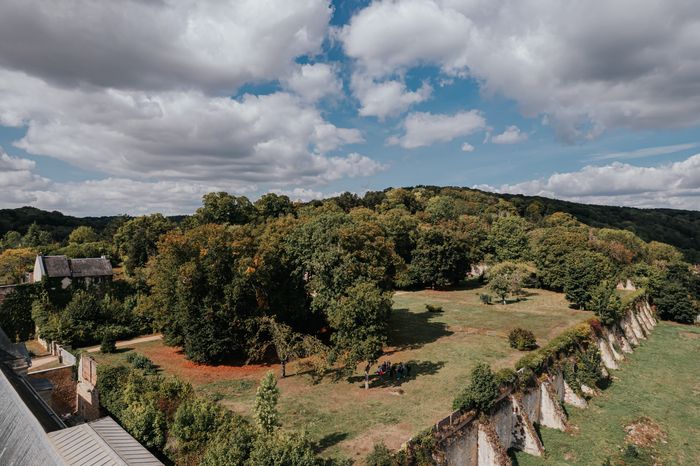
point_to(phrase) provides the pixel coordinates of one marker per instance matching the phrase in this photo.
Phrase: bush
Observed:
(564, 344)
(481, 392)
(506, 377)
(432, 308)
(485, 298)
(108, 345)
(380, 456)
(139, 361)
(522, 339)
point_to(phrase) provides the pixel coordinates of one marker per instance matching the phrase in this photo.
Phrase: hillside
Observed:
(681, 228)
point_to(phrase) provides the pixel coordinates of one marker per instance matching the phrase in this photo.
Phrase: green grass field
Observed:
(441, 348)
(660, 381)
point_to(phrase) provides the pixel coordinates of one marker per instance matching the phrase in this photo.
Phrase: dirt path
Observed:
(122, 344)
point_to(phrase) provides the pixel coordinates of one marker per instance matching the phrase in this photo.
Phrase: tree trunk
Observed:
(284, 368)
(367, 377)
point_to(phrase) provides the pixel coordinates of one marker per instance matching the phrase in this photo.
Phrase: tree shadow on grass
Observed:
(411, 330)
(330, 440)
(416, 369)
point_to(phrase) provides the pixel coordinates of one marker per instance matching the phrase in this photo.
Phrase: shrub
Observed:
(564, 344)
(108, 345)
(485, 298)
(506, 377)
(139, 361)
(481, 392)
(522, 339)
(431, 308)
(380, 456)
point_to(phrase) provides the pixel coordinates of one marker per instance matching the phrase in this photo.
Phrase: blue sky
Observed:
(165, 102)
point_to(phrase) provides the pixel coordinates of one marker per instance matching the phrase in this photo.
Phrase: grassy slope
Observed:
(442, 348)
(661, 380)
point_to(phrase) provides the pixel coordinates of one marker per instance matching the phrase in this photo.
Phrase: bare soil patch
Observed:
(644, 433)
(690, 335)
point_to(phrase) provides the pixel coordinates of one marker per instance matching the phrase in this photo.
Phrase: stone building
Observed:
(64, 271)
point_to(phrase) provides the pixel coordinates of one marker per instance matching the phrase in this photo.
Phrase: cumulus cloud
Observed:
(423, 128)
(587, 65)
(314, 82)
(675, 185)
(274, 138)
(466, 147)
(157, 45)
(140, 93)
(512, 135)
(386, 98)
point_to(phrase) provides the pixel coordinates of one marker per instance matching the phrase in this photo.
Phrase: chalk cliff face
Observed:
(471, 440)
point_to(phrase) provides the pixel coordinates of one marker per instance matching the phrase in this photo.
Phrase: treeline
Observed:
(680, 228)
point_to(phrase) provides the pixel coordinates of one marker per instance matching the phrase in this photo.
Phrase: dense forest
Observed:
(680, 228)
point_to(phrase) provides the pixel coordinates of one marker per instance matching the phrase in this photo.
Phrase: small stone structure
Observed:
(463, 438)
(5, 290)
(87, 399)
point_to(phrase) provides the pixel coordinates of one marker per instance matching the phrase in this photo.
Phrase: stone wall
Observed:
(86, 396)
(463, 438)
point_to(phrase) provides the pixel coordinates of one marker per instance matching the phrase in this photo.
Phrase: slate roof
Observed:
(23, 439)
(101, 442)
(99, 267)
(61, 266)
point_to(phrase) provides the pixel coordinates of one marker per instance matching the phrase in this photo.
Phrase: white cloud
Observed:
(210, 45)
(424, 128)
(588, 65)
(512, 135)
(466, 147)
(274, 138)
(645, 152)
(313, 82)
(386, 98)
(673, 185)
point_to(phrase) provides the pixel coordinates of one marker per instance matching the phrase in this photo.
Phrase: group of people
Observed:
(389, 369)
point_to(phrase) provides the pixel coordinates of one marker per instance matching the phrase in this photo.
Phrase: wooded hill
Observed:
(680, 228)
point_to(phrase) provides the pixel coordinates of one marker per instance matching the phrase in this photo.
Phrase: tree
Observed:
(481, 392)
(281, 449)
(287, 343)
(223, 208)
(583, 271)
(203, 291)
(360, 319)
(195, 423)
(136, 240)
(441, 208)
(14, 264)
(605, 303)
(441, 257)
(549, 247)
(16, 313)
(36, 237)
(82, 234)
(507, 278)
(657, 252)
(12, 239)
(508, 238)
(273, 205)
(265, 409)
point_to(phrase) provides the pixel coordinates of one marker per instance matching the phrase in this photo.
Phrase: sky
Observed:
(138, 106)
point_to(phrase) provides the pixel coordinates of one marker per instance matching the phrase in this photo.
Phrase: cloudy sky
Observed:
(137, 106)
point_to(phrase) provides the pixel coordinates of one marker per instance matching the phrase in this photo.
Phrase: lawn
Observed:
(441, 349)
(661, 382)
